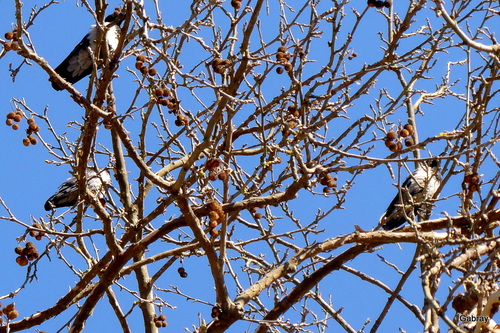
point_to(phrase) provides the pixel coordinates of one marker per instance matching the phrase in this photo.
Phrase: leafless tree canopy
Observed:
(239, 136)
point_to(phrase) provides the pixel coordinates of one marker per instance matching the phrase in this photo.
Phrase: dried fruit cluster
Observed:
(379, 4)
(464, 303)
(13, 118)
(328, 181)
(284, 58)
(220, 65)
(143, 65)
(216, 312)
(294, 110)
(236, 4)
(12, 41)
(471, 180)
(182, 272)
(9, 311)
(405, 133)
(254, 212)
(160, 321)
(215, 170)
(29, 253)
(216, 215)
(38, 235)
(171, 103)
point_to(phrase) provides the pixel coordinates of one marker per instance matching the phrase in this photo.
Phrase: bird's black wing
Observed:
(66, 195)
(409, 189)
(78, 63)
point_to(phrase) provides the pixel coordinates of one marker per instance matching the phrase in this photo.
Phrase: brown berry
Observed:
(9, 35)
(179, 270)
(288, 67)
(216, 62)
(13, 314)
(139, 65)
(389, 143)
(8, 122)
(409, 142)
(18, 117)
(213, 216)
(141, 58)
(7, 46)
(404, 133)
(282, 49)
(11, 115)
(222, 176)
(159, 91)
(409, 128)
(474, 187)
(32, 139)
(158, 324)
(15, 127)
(162, 317)
(162, 101)
(214, 232)
(292, 108)
(258, 215)
(183, 120)
(14, 46)
(391, 135)
(279, 70)
(21, 261)
(393, 147)
(34, 127)
(212, 176)
(18, 250)
(387, 4)
(32, 256)
(236, 4)
(220, 69)
(152, 71)
(183, 275)
(39, 236)
(212, 163)
(379, 4)
(144, 70)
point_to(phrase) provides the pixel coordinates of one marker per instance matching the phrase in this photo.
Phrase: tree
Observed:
(247, 142)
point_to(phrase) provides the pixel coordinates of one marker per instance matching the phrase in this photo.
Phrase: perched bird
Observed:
(67, 194)
(421, 185)
(80, 63)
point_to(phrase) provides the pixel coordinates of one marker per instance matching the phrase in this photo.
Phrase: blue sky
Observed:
(30, 178)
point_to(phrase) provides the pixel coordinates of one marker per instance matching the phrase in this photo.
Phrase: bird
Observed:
(80, 63)
(421, 185)
(67, 193)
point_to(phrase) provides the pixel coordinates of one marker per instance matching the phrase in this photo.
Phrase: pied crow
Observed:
(420, 186)
(79, 63)
(67, 194)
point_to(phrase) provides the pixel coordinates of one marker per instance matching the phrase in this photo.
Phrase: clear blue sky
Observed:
(28, 180)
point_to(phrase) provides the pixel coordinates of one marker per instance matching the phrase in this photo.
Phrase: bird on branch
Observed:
(80, 62)
(411, 198)
(67, 194)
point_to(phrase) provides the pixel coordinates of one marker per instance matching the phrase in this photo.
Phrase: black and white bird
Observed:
(67, 194)
(80, 62)
(420, 186)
